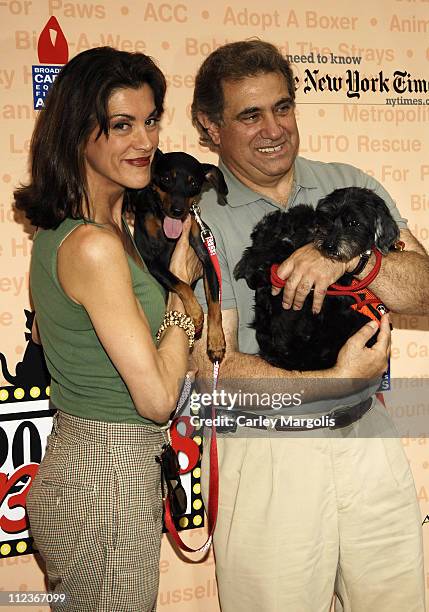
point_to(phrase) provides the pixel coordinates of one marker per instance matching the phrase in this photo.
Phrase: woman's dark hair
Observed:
(76, 104)
(233, 62)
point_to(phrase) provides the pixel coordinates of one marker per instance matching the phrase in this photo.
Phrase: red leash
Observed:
(213, 501)
(356, 284)
(209, 242)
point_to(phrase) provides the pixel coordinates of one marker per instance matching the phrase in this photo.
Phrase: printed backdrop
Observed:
(363, 98)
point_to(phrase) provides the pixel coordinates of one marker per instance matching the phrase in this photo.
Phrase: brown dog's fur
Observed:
(177, 179)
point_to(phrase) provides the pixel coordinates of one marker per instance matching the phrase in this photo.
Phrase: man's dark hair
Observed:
(233, 62)
(75, 105)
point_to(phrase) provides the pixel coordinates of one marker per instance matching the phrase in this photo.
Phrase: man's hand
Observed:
(305, 269)
(356, 361)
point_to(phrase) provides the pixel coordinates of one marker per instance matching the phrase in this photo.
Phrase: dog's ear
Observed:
(386, 229)
(244, 269)
(215, 177)
(386, 234)
(157, 156)
(253, 271)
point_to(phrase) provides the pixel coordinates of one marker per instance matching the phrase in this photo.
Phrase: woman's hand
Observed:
(184, 261)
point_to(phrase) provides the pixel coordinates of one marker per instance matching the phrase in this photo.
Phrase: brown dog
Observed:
(160, 209)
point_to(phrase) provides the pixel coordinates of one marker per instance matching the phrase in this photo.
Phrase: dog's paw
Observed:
(216, 345)
(216, 354)
(198, 319)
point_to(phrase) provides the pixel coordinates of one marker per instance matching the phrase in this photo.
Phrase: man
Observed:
(302, 516)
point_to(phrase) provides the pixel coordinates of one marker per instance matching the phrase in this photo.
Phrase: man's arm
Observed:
(355, 363)
(402, 283)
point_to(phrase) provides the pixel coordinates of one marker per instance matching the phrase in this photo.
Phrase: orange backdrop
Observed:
(386, 138)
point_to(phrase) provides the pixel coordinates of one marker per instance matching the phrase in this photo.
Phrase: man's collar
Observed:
(240, 195)
(303, 176)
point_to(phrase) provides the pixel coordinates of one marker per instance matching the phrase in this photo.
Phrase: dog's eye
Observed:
(165, 180)
(353, 223)
(193, 184)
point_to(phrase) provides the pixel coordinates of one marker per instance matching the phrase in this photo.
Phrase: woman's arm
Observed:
(93, 271)
(35, 336)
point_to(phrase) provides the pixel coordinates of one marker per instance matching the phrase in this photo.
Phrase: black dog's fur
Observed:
(177, 180)
(344, 224)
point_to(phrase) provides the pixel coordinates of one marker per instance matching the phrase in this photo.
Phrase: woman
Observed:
(95, 507)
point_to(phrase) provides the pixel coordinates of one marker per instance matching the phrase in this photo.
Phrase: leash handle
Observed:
(275, 279)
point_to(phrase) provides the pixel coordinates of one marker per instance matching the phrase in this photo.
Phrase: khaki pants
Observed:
(95, 514)
(303, 516)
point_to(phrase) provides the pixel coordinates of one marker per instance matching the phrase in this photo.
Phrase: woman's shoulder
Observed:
(92, 261)
(90, 242)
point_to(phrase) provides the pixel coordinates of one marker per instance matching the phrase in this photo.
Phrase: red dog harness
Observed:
(366, 301)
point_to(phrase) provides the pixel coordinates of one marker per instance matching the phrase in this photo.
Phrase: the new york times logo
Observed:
(401, 82)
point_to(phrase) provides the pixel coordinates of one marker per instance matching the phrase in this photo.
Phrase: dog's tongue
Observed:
(172, 227)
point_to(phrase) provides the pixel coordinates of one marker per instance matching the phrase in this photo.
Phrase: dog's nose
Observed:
(329, 246)
(176, 212)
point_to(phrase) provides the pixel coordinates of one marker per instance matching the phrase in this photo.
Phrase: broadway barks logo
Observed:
(52, 48)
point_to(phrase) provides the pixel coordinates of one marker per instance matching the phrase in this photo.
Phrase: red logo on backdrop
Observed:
(16, 500)
(52, 47)
(53, 52)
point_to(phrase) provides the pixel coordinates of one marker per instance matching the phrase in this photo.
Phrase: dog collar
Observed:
(363, 260)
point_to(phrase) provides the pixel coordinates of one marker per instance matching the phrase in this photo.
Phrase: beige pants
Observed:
(303, 516)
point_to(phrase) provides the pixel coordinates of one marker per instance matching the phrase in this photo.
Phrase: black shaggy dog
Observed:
(344, 224)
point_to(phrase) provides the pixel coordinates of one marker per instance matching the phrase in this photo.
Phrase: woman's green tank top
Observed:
(84, 382)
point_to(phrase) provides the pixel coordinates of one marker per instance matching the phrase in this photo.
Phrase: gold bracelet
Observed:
(174, 317)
